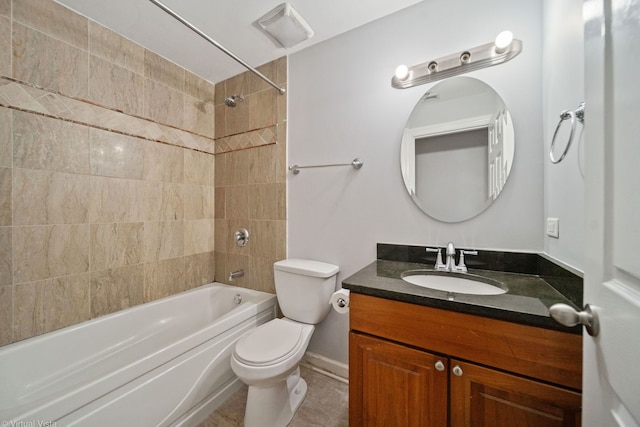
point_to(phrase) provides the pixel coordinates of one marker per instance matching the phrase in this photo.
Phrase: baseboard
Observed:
(326, 366)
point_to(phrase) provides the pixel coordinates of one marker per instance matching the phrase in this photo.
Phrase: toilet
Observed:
(267, 358)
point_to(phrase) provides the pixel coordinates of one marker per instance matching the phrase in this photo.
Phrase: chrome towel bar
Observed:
(356, 164)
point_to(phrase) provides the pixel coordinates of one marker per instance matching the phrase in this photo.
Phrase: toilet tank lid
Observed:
(306, 267)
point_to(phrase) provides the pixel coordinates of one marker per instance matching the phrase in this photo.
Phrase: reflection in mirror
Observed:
(457, 149)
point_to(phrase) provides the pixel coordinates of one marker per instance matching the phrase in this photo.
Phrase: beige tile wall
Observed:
(94, 221)
(250, 184)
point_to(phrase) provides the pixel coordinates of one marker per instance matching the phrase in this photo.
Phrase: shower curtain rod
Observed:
(218, 45)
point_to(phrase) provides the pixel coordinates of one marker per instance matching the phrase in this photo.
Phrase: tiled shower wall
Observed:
(92, 219)
(250, 183)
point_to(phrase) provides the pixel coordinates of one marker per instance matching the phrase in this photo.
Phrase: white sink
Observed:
(455, 283)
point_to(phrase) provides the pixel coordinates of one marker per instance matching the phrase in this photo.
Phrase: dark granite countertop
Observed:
(526, 302)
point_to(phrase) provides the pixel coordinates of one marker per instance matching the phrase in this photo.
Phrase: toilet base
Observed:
(275, 406)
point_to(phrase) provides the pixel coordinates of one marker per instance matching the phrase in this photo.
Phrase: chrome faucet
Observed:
(236, 274)
(451, 258)
(450, 264)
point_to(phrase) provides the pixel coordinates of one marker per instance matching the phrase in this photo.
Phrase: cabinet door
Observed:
(394, 385)
(482, 397)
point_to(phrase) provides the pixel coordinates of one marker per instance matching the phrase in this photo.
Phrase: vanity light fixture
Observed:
(502, 50)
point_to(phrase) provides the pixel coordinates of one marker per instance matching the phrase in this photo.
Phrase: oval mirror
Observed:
(457, 149)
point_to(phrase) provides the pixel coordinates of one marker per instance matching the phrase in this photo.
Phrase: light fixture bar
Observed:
(486, 55)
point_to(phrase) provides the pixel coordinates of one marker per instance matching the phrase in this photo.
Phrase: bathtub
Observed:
(157, 364)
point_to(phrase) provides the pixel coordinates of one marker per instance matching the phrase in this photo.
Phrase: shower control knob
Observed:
(241, 237)
(439, 366)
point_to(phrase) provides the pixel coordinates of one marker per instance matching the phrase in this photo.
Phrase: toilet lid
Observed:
(269, 343)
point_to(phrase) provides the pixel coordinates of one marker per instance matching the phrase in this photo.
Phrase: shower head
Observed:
(233, 100)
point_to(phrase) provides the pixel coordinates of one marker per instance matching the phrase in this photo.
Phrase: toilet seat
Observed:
(269, 343)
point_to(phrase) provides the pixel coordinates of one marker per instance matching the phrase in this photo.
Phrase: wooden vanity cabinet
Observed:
(396, 385)
(481, 396)
(411, 365)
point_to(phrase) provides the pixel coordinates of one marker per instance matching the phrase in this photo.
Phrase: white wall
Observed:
(563, 82)
(342, 106)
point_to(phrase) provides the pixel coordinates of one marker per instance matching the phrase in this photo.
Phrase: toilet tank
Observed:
(304, 288)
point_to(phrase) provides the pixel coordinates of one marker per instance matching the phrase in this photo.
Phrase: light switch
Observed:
(553, 227)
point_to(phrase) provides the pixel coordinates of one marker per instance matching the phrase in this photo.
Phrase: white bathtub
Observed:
(156, 364)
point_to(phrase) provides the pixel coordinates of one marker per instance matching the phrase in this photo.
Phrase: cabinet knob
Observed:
(440, 366)
(457, 370)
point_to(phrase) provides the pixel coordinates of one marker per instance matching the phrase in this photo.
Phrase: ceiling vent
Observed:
(285, 26)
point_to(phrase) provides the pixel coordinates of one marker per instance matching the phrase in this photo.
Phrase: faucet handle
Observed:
(439, 264)
(461, 265)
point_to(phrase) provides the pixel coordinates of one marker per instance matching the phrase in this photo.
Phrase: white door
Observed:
(611, 385)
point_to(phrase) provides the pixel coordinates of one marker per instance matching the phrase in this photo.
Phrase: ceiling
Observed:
(230, 23)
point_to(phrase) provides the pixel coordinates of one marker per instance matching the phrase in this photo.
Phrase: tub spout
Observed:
(236, 274)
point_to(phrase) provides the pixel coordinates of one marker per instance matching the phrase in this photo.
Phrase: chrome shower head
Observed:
(233, 100)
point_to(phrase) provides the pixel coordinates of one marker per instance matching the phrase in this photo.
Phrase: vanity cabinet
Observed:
(395, 385)
(481, 396)
(411, 365)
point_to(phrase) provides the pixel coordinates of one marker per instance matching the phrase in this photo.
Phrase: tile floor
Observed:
(326, 405)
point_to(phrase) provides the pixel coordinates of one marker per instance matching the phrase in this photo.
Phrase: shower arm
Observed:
(218, 45)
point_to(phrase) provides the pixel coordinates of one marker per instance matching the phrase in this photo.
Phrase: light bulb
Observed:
(503, 40)
(402, 72)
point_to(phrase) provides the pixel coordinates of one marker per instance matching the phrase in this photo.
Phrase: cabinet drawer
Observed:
(548, 355)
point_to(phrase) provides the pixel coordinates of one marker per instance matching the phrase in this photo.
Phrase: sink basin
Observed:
(459, 283)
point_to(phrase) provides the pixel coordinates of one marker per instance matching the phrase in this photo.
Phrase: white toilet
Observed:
(267, 358)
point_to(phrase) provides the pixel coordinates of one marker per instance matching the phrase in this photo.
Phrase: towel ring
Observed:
(566, 115)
